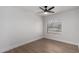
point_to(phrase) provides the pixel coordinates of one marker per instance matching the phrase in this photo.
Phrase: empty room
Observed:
(39, 29)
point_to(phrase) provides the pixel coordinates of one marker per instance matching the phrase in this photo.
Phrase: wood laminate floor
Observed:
(45, 46)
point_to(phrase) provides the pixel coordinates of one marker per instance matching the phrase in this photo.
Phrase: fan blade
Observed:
(51, 11)
(51, 8)
(41, 8)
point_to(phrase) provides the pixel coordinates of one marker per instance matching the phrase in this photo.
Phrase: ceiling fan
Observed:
(47, 10)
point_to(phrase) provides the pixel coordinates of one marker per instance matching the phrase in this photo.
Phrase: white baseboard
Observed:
(31, 40)
(34, 39)
(65, 41)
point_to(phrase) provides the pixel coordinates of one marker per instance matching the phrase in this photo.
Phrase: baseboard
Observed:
(64, 41)
(31, 40)
(34, 39)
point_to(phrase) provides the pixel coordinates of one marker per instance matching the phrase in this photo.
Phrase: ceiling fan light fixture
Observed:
(45, 13)
(46, 10)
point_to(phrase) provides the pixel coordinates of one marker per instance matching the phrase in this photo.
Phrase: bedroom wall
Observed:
(18, 27)
(70, 26)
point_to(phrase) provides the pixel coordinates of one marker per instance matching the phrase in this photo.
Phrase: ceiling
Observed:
(57, 9)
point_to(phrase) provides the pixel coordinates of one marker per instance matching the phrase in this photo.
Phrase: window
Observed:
(54, 26)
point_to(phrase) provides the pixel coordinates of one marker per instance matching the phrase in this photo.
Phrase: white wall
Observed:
(18, 27)
(70, 26)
